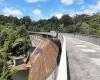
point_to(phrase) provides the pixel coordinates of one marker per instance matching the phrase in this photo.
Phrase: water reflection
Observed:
(21, 75)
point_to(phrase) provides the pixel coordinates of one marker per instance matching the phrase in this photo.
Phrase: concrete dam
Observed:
(62, 56)
(42, 60)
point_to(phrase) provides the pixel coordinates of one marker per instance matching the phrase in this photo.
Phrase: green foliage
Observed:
(84, 28)
(22, 31)
(6, 72)
(82, 23)
(14, 42)
(26, 21)
(98, 32)
(70, 29)
(66, 20)
(9, 19)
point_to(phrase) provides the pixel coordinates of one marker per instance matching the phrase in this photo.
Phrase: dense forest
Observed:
(82, 23)
(14, 38)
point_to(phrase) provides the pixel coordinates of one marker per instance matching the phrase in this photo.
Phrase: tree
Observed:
(26, 20)
(81, 18)
(84, 28)
(66, 20)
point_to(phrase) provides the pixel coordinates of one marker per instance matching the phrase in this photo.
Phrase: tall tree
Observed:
(26, 20)
(66, 20)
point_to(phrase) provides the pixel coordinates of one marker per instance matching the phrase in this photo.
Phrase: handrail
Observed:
(60, 37)
(62, 70)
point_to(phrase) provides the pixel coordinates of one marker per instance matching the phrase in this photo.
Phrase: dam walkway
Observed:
(80, 59)
(83, 59)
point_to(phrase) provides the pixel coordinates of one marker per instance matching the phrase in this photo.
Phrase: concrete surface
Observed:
(96, 60)
(43, 60)
(84, 59)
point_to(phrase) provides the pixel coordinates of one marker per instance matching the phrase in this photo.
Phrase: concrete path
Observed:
(84, 59)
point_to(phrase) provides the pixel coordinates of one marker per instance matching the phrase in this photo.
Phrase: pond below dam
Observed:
(21, 75)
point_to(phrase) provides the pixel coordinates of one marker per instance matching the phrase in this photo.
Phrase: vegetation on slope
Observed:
(14, 41)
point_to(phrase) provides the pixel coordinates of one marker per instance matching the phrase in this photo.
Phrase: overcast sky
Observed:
(43, 9)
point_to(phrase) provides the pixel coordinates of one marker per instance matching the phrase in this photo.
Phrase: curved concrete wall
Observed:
(43, 60)
(60, 72)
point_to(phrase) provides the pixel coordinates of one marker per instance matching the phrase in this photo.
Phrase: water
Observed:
(21, 75)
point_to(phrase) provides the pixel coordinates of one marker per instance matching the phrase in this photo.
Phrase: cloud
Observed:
(35, 1)
(59, 15)
(70, 2)
(67, 2)
(11, 11)
(37, 12)
(92, 9)
(89, 10)
(97, 6)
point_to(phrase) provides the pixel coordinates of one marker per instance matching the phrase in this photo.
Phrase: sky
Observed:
(44, 9)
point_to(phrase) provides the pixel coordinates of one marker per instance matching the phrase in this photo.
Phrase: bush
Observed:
(14, 42)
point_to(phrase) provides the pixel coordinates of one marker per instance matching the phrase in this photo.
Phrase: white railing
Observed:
(62, 69)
